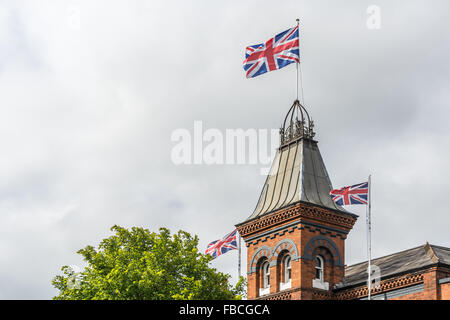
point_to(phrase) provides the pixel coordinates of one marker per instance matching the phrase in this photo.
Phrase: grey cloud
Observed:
(86, 117)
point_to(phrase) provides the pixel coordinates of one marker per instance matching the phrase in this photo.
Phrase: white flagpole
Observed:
(297, 64)
(369, 245)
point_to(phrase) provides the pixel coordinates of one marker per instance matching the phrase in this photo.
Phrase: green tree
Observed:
(139, 264)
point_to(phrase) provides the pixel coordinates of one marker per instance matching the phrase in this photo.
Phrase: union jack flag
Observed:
(356, 194)
(218, 247)
(276, 53)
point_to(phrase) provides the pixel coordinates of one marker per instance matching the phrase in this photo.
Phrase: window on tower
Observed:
(265, 278)
(319, 281)
(319, 268)
(287, 273)
(287, 268)
(266, 274)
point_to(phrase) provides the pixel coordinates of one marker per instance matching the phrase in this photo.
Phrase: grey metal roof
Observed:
(297, 174)
(397, 263)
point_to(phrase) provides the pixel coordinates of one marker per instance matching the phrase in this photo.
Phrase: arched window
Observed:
(266, 274)
(286, 273)
(319, 268)
(319, 281)
(287, 268)
(264, 278)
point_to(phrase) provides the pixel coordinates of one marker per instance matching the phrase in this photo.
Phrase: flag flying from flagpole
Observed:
(359, 194)
(355, 194)
(221, 246)
(274, 54)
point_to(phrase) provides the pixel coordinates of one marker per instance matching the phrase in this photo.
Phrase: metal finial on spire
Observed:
(296, 128)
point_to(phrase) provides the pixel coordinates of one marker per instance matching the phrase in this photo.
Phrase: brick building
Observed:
(296, 235)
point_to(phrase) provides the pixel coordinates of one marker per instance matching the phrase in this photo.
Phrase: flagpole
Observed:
(369, 245)
(297, 64)
(239, 258)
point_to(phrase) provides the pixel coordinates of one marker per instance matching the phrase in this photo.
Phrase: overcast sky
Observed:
(91, 91)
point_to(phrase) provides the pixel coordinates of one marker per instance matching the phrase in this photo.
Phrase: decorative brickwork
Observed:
(321, 245)
(386, 285)
(284, 295)
(300, 210)
(320, 295)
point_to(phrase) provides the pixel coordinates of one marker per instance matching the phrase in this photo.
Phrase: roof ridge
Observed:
(388, 255)
(440, 247)
(430, 252)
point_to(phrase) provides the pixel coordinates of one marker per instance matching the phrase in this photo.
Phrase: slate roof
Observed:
(407, 261)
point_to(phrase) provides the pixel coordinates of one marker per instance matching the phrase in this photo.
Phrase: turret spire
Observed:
(298, 172)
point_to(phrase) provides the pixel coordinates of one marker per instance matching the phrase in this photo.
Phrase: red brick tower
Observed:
(295, 238)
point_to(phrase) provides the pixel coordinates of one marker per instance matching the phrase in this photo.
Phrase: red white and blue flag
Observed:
(218, 247)
(276, 53)
(356, 194)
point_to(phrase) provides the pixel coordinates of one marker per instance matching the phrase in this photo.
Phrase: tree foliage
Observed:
(139, 264)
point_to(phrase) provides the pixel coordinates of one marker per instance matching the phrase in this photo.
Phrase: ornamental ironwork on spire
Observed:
(297, 125)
